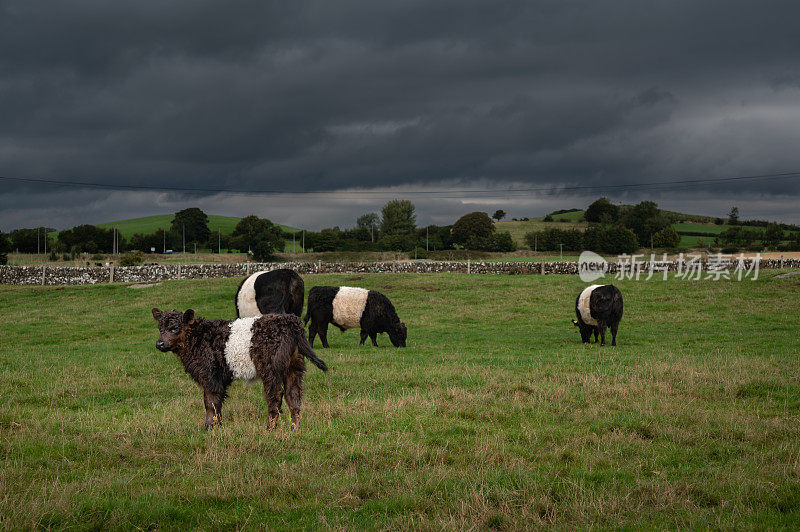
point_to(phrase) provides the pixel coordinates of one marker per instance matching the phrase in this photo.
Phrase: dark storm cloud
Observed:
(333, 95)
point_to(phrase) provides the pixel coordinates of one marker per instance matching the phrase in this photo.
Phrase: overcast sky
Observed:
(447, 103)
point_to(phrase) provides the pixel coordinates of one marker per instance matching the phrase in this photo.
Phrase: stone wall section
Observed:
(68, 275)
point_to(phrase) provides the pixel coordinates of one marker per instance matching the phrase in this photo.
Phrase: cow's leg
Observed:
(312, 332)
(363, 337)
(595, 334)
(614, 327)
(213, 402)
(294, 394)
(323, 334)
(374, 337)
(602, 327)
(273, 393)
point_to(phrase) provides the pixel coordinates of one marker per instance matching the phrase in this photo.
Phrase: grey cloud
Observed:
(314, 95)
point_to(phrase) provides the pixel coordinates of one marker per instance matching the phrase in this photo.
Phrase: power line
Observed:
(485, 192)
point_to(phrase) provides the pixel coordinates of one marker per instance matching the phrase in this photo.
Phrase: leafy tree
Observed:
(645, 220)
(328, 240)
(398, 242)
(552, 239)
(666, 238)
(733, 216)
(773, 234)
(398, 218)
(86, 238)
(5, 247)
(369, 222)
(619, 239)
(194, 222)
(548, 218)
(472, 225)
(602, 211)
(248, 231)
(499, 214)
(160, 240)
(29, 240)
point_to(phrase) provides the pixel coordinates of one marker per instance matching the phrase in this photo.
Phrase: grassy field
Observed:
(495, 416)
(519, 228)
(150, 224)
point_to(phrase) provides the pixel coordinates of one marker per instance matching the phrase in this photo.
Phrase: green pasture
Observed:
(151, 224)
(494, 417)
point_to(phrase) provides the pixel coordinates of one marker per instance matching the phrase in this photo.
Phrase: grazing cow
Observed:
(276, 292)
(347, 308)
(217, 352)
(598, 307)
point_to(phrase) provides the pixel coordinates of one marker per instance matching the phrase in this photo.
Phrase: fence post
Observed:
(542, 265)
(179, 271)
(469, 268)
(248, 269)
(111, 273)
(781, 262)
(43, 268)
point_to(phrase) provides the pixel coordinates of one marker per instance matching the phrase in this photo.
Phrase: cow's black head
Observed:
(397, 334)
(172, 328)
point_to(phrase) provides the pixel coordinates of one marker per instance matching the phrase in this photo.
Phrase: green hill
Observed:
(150, 224)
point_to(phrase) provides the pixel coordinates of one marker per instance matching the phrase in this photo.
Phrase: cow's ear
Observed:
(156, 313)
(188, 317)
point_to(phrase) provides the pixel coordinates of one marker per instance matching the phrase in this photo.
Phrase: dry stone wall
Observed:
(63, 275)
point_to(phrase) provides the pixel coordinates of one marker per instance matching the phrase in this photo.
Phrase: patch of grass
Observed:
(150, 224)
(495, 416)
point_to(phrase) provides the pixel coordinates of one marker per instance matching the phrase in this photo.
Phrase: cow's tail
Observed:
(305, 349)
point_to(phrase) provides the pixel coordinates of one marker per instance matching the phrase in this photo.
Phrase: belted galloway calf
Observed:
(217, 352)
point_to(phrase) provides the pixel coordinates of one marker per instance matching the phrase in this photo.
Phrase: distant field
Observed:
(519, 228)
(495, 417)
(573, 216)
(150, 224)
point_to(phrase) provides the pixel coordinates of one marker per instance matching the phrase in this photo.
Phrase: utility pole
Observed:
(45, 241)
(38, 251)
(426, 238)
(219, 240)
(304, 240)
(165, 240)
(293, 232)
(535, 242)
(183, 226)
(562, 252)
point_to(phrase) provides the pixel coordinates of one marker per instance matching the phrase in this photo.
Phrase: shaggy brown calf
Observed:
(217, 352)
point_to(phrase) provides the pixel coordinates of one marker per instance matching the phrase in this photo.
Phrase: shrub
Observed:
(419, 253)
(550, 239)
(66, 256)
(3, 258)
(548, 218)
(730, 249)
(602, 211)
(666, 238)
(52, 257)
(98, 256)
(619, 239)
(133, 258)
(263, 251)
